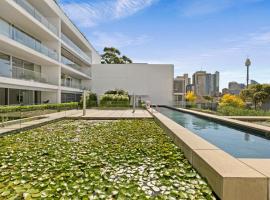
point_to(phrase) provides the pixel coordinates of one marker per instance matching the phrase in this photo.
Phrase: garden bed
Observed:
(128, 159)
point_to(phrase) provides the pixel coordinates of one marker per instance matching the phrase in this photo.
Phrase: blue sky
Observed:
(212, 35)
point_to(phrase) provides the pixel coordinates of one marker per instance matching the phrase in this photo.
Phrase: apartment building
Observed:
(43, 56)
(180, 87)
(206, 84)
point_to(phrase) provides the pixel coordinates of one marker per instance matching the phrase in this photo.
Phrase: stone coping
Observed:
(249, 118)
(229, 177)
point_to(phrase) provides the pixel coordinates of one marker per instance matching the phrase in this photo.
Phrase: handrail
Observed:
(68, 62)
(21, 73)
(72, 84)
(37, 15)
(75, 47)
(23, 38)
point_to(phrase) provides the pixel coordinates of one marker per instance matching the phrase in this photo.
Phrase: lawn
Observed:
(128, 159)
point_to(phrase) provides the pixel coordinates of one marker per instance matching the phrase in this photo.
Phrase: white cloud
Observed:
(261, 38)
(88, 14)
(119, 40)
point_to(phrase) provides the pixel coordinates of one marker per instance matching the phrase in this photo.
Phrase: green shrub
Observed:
(117, 91)
(233, 111)
(91, 100)
(114, 100)
(62, 106)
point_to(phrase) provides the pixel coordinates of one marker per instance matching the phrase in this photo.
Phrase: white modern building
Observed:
(44, 58)
(152, 83)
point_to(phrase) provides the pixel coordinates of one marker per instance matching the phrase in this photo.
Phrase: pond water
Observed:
(237, 142)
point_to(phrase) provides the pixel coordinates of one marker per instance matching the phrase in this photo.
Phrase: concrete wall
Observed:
(156, 81)
(51, 96)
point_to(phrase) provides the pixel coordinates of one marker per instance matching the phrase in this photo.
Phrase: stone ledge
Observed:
(230, 178)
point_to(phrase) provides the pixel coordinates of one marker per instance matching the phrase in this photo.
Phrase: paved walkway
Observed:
(114, 114)
(75, 114)
(39, 120)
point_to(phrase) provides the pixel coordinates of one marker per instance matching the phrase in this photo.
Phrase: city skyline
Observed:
(192, 35)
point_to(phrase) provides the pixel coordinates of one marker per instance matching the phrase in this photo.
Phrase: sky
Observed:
(210, 35)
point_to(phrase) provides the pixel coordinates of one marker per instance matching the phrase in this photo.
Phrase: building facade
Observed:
(206, 84)
(43, 56)
(235, 88)
(152, 83)
(180, 87)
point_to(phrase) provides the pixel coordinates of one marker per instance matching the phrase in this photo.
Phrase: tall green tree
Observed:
(112, 55)
(257, 94)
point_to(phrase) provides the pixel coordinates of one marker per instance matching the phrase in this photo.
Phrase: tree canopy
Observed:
(231, 100)
(257, 94)
(112, 55)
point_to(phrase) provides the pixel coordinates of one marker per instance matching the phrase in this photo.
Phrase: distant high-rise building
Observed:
(206, 84)
(190, 88)
(235, 88)
(179, 87)
(253, 82)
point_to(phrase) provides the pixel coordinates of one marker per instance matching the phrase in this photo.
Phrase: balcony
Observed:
(24, 74)
(23, 38)
(36, 14)
(75, 66)
(68, 62)
(75, 48)
(71, 83)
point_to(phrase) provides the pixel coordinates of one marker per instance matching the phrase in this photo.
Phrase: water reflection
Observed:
(239, 143)
(247, 136)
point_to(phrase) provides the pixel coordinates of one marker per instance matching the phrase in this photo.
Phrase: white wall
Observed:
(156, 81)
(51, 96)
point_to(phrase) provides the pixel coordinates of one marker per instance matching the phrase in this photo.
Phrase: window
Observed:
(5, 68)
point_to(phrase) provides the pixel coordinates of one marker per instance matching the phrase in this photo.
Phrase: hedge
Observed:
(233, 111)
(114, 100)
(114, 104)
(7, 109)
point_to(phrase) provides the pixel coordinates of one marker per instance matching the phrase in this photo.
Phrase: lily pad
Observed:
(125, 159)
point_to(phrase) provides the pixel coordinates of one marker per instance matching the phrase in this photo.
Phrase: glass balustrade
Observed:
(37, 15)
(75, 47)
(71, 82)
(23, 38)
(24, 74)
(68, 62)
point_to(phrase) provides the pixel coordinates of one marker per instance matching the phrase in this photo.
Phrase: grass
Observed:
(129, 159)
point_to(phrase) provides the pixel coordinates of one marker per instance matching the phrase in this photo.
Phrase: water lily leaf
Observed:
(97, 160)
(5, 193)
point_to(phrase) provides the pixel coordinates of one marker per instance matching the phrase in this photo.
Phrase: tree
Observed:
(112, 55)
(259, 98)
(246, 95)
(191, 97)
(257, 94)
(209, 98)
(231, 100)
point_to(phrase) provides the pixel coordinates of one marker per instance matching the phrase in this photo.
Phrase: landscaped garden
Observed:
(128, 159)
(9, 113)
